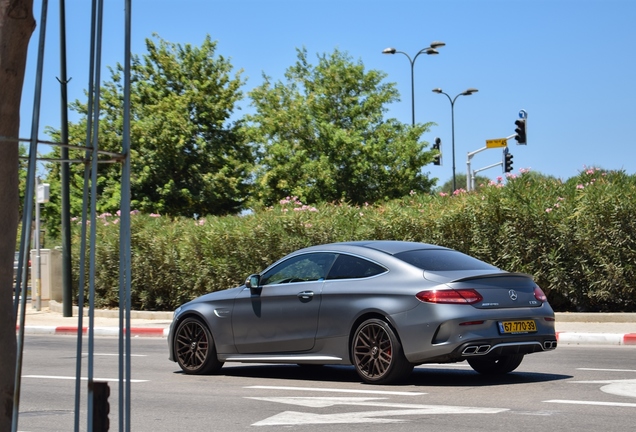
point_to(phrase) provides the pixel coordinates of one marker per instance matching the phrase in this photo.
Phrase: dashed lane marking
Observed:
(83, 378)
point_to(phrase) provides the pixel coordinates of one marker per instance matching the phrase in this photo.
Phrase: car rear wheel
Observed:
(377, 353)
(194, 348)
(495, 365)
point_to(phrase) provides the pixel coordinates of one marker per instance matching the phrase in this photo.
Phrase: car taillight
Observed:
(539, 294)
(452, 296)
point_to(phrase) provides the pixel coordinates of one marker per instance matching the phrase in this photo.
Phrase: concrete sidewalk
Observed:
(572, 328)
(50, 320)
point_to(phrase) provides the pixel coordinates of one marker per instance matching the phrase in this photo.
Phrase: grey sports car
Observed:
(381, 306)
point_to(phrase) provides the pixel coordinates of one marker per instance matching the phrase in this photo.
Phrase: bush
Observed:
(576, 238)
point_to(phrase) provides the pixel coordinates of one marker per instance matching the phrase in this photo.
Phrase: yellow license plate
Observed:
(523, 326)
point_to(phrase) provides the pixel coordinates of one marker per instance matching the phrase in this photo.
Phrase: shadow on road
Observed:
(437, 376)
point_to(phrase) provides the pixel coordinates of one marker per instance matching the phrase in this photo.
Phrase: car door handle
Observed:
(305, 295)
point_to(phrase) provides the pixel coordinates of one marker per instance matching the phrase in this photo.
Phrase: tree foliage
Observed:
(187, 155)
(322, 135)
(460, 183)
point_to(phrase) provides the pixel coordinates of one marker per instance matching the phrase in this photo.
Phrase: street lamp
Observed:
(430, 50)
(452, 102)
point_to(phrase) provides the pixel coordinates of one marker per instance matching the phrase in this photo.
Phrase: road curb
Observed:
(97, 331)
(572, 338)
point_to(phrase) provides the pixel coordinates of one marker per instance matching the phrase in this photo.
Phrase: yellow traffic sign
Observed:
(499, 142)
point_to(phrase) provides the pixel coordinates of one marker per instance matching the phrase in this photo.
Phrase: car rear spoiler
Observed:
(492, 275)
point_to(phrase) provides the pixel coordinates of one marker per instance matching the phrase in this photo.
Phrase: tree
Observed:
(16, 26)
(460, 182)
(322, 135)
(187, 155)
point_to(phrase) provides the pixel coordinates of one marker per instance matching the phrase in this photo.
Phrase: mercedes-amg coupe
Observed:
(381, 306)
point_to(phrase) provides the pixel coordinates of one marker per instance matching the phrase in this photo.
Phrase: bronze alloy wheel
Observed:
(194, 348)
(377, 353)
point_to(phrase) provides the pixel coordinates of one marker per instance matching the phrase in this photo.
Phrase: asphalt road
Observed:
(571, 389)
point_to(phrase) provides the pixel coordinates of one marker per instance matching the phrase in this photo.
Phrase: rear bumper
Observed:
(452, 335)
(496, 348)
(493, 348)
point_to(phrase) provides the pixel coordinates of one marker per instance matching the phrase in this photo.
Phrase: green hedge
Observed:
(577, 238)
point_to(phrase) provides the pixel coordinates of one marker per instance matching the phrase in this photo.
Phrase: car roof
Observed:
(390, 247)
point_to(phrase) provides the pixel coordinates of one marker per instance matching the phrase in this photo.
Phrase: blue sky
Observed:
(571, 64)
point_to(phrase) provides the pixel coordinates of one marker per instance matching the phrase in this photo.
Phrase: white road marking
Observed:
(325, 402)
(333, 390)
(621, 388)
(83, 378)
(577, 402)
(617, 387)
(597, 381)
(303, 418)
(607, 370)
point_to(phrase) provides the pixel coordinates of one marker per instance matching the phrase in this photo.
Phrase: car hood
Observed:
(226, 294)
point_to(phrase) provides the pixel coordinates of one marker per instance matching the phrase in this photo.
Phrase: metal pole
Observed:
(452, 102)
(124, 248)
(93, 211)
(36, 239)
(413, 83)
(67, 294)
(82, 254)
(412, 90)
(453, 139)
(468, 163)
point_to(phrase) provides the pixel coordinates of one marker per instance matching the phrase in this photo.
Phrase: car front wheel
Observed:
(377, 353)
(495, 365)
(194, 348)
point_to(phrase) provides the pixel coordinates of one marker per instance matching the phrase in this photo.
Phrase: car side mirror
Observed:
(253, 282)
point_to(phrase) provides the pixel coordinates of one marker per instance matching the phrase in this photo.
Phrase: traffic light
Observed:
(521, 131)
(437, 160)
(101, 407)
(507, 160)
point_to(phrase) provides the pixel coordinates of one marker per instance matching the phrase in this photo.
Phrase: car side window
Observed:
(352, 267)
(300, 268)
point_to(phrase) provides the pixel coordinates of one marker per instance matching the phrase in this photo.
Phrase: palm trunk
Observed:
(16, 26)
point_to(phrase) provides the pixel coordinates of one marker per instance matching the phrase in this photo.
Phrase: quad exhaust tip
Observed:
(476, 350)
(549, 345)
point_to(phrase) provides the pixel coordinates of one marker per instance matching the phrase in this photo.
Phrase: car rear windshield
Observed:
(442, 260)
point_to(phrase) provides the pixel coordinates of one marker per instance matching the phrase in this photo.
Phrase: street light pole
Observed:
(467, 92)
(430, 50)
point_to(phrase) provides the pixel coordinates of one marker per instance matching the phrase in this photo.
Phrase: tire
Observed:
(495, 365)
(194, 348)
(377, 354)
